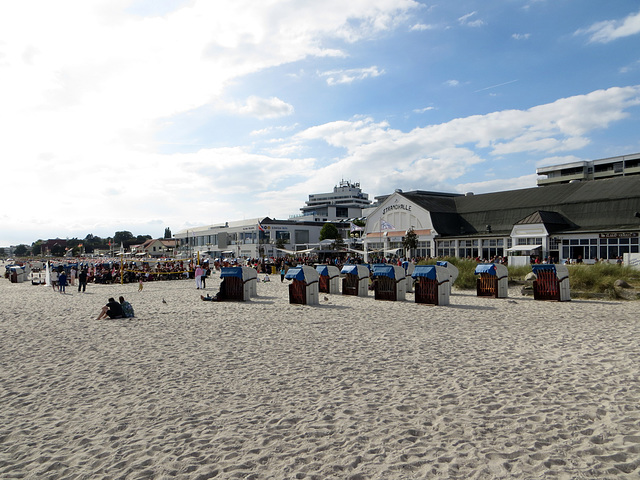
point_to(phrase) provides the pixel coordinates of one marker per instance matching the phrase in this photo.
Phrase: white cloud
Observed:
(419, 27)
(498, 184)
(338, 77)
(521, 36)
(265, 107)
(466, 20)
(557, 160)
(437, 155)
(85, 94)
(423, 110)
(610, 30)
(452, 83)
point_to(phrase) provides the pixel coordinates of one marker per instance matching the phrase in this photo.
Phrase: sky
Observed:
(141, 115)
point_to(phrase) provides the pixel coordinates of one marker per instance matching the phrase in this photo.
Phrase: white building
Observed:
(590, 170)
(586, 220)
(346, 201)
(252, 238)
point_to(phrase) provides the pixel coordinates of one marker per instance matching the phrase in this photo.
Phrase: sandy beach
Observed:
(353, 388)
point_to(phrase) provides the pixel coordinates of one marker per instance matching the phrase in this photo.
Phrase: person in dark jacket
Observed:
(112, 310)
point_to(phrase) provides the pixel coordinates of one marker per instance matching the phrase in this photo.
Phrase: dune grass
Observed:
(589, 280)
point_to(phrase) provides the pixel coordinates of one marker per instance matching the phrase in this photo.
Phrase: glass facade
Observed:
(604, 247)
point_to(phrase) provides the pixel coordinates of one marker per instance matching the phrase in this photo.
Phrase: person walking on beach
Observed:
(203, 277)
(198, 275)
(62, 282)
(54, 279)
(82, 280)
(282, 272)
(72, 276)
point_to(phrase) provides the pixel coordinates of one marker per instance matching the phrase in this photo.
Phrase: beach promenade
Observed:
(350, 389)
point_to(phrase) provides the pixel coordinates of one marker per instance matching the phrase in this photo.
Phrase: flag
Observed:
(260, 227)
(355, 228)
(384, 225)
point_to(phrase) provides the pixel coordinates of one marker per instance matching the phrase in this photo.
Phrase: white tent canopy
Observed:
(523, 248)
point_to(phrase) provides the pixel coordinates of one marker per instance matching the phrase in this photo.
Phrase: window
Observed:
(284, 234)
(446, 248)
(301, 236)
(424, 249)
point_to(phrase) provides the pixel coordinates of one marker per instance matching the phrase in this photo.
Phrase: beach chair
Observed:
(408, 270)
(329, 281)
(234, 286)
(431, 284)
(389, 282)
(250, 277)
(303, 289)
(452, 271)
(493, 280)
(551, 283)
(355, 280)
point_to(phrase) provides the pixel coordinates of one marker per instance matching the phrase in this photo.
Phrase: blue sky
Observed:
(140, 115)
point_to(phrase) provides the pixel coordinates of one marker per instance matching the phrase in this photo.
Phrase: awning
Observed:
(231, 272)
(322, 270)
(384, 271)
(350, 269)
(295, 273)
(425, 271)
(523, 248)
(489, 268)
(543, 266)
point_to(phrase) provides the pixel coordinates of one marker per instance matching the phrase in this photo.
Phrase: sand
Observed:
(351, 389)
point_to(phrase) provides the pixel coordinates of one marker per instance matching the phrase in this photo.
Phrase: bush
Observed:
(600, 278)
(589, 279)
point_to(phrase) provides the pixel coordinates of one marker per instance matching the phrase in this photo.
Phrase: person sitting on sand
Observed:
(112, 310)
(218, 296)
(127, 309)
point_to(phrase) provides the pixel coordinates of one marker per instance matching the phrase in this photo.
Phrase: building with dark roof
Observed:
(589, 220)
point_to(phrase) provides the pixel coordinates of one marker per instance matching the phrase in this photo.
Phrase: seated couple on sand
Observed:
(115, 310)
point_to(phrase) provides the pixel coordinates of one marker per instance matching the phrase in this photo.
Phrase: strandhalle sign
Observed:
(400, 206)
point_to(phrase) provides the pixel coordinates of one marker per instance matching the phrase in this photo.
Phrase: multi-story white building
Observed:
(590, 170)
(346, 201)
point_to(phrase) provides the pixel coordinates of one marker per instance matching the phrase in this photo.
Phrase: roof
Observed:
(597, 205)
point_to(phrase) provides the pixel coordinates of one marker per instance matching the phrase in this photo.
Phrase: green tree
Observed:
(410, 241)
(36, 247)
(280, 242)
(58, 250)
(123, 237)
(167, 232)
(329, 231)
(140, 239)
(21, 250)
